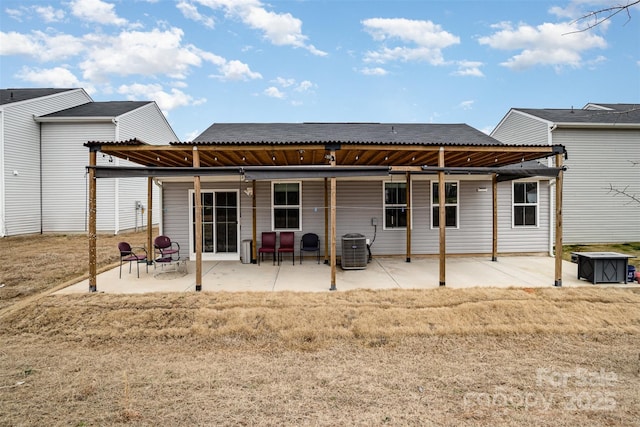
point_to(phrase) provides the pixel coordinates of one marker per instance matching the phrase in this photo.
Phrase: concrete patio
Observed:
(381, 273)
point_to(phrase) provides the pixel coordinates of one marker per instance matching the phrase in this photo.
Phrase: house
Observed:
(43, 179)
(604, 142)
(378, 180)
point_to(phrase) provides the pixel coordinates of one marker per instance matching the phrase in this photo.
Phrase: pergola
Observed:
(328, 159)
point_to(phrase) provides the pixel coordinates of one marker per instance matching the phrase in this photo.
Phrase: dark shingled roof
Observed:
(353, 133)
(7, 96)
(99, 109)
(617, 107)
(620, 114)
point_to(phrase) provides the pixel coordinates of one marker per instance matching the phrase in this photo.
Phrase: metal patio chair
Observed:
(286, 246)
(268, 245)
(310, 242)
(130, 254)
(165, 251)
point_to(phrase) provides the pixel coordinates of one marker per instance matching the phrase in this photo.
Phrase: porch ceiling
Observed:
(355, 154)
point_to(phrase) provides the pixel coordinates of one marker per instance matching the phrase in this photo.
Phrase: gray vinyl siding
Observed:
(523, 239)
(518, 128)
(598, 159)
(65, 189)
(147, 124)
(22, 154)
(359, 201)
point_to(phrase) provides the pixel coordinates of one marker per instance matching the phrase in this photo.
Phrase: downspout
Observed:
(40, 172)
(159, 203)
(116, 218)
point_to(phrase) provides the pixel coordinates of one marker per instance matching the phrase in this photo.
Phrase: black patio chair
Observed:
(310, 242)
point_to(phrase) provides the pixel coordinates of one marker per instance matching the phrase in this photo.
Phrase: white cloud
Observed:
(281, 81)
(551, 44)
(191, 12)
(41, 46)
(466, 105)
(575, 10)
(304, 86)
(166, 101)
(190, 135)
(96, 11)
(420, 40)
(376, 71)
(14, 14)
(51, 77)
(281, 29)
(151, 53)
(145, 53)
(274, 92)
(469, 68)
(49, 14)
(236, 70)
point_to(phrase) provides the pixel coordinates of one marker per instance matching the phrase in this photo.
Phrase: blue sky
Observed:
(206, 61)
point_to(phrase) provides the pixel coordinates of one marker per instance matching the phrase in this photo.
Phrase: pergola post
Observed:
(198, 205)
(494, 194)
(408, 212)
(254, 225)
(442, 219)
(333, 225)
(149, 220)
(93, 287)
(326, 221)
(559, 184)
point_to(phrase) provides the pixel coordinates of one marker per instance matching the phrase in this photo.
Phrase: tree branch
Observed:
(634, 198)
(601, 15)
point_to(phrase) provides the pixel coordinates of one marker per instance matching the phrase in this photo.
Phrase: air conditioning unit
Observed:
(354, 252)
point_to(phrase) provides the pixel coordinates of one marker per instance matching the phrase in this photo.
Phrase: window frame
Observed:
(405, 205)
(274, 206)
(456, 204)
(515, 204)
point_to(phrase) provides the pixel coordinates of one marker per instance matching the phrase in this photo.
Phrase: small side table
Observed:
(602, 267)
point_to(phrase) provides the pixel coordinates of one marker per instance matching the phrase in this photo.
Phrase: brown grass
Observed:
(36, 263)
(548, 356)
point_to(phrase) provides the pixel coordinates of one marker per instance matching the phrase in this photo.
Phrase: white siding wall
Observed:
(22, 154)
(147, 124)
(598, 159)
(518, 128)
(65, 187)
(359, 201)
(523, 239)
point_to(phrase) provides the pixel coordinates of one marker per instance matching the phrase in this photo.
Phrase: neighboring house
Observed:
(603, 141)
(43, 179)
(273, 177)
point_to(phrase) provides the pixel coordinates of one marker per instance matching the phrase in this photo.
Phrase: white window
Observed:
(450, 204)
(395, 205)
(286, 206)
(525, 204)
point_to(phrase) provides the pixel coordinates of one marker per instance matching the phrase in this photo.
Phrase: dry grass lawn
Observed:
(548, 356)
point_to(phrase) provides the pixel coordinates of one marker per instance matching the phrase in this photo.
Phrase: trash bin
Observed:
(631, 273)
(245, 254)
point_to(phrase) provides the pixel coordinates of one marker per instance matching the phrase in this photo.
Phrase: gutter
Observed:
(74, 119)
(596, 126)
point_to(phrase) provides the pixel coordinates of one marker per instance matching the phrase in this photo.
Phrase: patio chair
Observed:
(268, 246)
(165, 251)
(310, 242)
(286, 246)
(129, 254)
